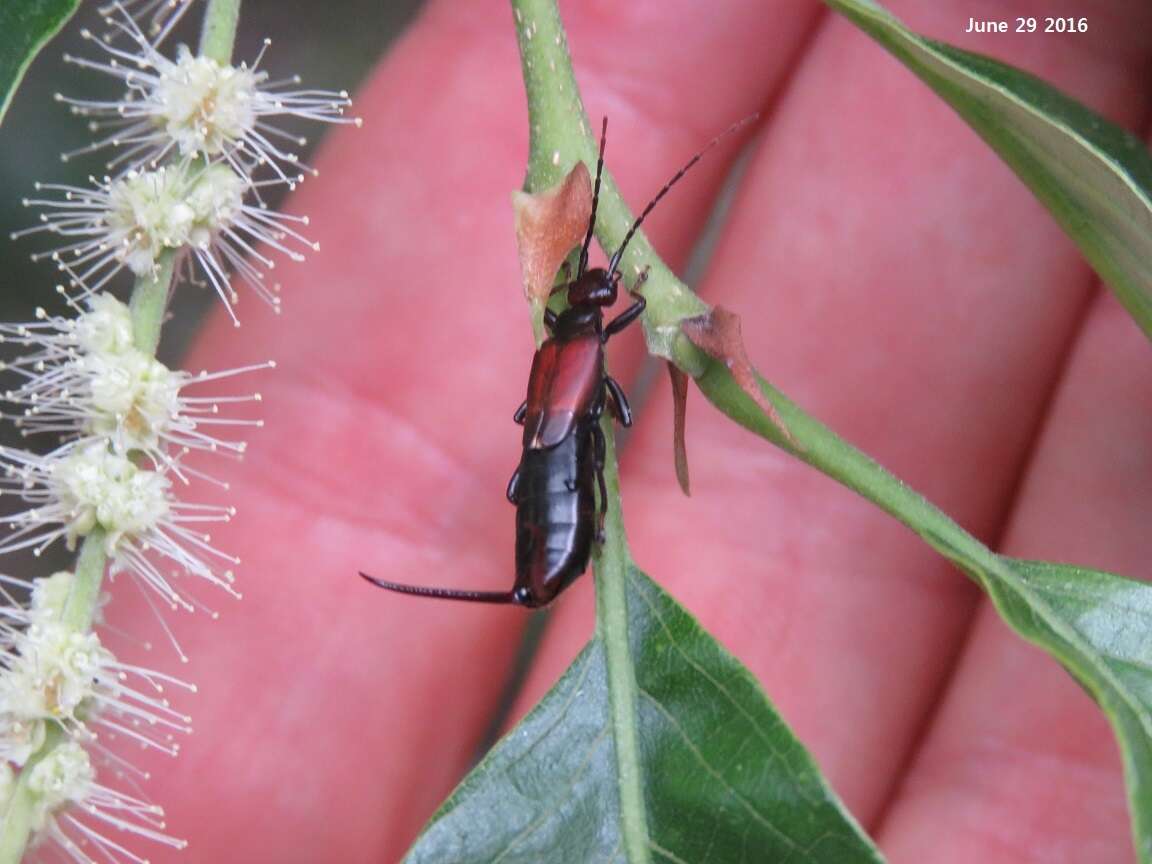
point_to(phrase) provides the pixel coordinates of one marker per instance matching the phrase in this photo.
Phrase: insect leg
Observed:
(599, 450)
(632, 312)
(626, 317)
(521, 413)
(620, 404)
(513, 486)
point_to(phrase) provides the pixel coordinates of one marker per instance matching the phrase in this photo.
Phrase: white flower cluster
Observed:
(127, 424)
(195, 143)
(84, 377)
(57, 680)
(192, 137)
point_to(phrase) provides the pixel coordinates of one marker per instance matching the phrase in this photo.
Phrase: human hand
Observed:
(893, 277)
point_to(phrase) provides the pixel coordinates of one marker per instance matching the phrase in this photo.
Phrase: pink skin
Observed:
(892, 276)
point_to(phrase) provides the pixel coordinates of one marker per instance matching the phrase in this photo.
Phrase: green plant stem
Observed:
(824, 450)
(613, 631)
(16, 826)
(553, 106)
(219, 34)
(560, 135)
(149, 303)
(821, 448)
(80, 607)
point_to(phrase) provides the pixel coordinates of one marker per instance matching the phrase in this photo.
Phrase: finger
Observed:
(346, 712)
(1021, 763)
(896, 280)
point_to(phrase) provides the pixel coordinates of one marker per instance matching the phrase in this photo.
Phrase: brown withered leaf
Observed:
(548, 225)
(717, 334)
(679, 412)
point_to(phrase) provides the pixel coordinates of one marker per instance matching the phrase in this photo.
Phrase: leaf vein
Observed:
(746, 805)
(762, 733)
(535, 825)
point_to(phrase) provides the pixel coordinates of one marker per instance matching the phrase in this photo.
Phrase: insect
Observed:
(562, 466)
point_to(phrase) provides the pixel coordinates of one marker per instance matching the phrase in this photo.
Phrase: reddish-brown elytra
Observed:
(563, 460)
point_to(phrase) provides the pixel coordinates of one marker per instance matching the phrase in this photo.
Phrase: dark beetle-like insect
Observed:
(563, 460)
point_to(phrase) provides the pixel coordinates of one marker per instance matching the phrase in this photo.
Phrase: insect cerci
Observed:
(562, 466)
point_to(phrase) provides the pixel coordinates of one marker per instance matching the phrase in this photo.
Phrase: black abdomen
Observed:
(555, 514)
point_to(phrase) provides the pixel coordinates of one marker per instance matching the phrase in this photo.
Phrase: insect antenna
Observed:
(595, 200)
(614, 263)
(445, 593)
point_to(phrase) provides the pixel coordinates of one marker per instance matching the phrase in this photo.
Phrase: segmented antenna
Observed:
(612, 265)
(506, 597)
(595, 201)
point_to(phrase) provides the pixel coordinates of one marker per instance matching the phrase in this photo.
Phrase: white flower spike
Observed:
(196, 142)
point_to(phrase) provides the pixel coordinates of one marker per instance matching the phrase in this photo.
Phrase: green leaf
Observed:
(25, 28)
(1096, 624)
(1099, 626)
(725, 781)
(1093, 176)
